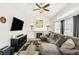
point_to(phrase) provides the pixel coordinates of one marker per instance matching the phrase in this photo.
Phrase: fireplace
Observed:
(38, 35)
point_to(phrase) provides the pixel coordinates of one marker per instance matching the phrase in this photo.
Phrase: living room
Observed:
(33, 20)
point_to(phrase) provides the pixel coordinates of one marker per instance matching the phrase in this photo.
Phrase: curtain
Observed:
(76, 26)
(62, 27)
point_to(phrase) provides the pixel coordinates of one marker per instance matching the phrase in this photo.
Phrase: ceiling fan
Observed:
(41, 7)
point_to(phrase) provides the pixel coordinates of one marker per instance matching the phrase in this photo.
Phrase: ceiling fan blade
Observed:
(38, 5)
(46, 5)
(46, 9)
(36, 9)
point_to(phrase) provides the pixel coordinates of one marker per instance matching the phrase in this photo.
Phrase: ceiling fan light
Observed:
(41, 10)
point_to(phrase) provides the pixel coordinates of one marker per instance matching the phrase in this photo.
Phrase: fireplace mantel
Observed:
(32, 33)
(40, 30)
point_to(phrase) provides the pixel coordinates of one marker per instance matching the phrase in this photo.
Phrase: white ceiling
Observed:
(27, 9)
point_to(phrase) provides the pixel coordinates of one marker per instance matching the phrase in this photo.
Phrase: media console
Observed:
(18, 42)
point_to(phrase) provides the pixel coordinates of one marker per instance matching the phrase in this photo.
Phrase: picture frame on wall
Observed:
(39, 23)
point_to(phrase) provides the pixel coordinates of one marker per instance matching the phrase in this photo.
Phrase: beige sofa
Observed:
(60, 44)
(50, 37)
(48, 49)
(52, 49)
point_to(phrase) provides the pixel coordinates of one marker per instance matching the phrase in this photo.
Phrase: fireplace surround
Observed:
(38, 35)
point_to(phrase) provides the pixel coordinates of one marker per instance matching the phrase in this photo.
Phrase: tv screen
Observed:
(17, 24)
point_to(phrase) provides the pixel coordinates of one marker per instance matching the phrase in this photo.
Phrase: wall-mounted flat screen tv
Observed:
(17, 24)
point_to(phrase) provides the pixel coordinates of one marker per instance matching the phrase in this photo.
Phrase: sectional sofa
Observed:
(58, 44)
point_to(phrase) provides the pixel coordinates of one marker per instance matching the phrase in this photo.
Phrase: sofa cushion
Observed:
(48, 49)
(51, 40)
(43, 38)
(56, 36)
(68, 44)
(67, 48)
(51, 35)
(61, 40)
